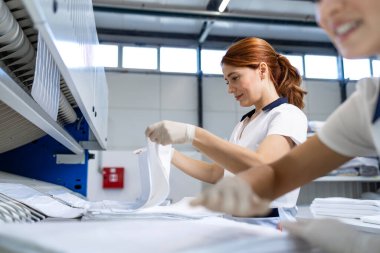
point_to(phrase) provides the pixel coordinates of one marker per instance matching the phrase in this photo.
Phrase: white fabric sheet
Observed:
(39, 201)
(373, 219)
(132, 236)
(154, 165)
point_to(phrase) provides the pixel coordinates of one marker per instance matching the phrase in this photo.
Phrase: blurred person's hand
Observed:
(333, 236)
(170, 132)
(232, 195)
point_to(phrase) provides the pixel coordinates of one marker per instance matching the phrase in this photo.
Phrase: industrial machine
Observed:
(54, 97)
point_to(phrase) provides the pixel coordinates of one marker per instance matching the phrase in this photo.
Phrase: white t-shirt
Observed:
(348, 130)
(278, 118)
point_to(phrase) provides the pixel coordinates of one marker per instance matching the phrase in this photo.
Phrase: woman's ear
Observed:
(263, 68)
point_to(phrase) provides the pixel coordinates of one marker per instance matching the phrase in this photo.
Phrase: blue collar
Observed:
(268, 107)
(376, 116)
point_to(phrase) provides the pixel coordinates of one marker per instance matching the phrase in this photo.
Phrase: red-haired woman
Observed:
(257, 76)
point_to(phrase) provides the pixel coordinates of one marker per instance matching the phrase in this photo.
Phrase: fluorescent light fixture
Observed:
(223, 5)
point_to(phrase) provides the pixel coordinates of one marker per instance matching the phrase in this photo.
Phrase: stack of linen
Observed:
(345, 207)
(358, 166)
(313, 127)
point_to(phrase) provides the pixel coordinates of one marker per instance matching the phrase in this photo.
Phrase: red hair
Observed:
(249, 52)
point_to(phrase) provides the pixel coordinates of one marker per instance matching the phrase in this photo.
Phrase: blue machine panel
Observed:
(37, 160)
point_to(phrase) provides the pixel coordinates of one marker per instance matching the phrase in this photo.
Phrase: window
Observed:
(356, 69)
(376, 68)
(296, 61)
(321, 67)
(210, 61)
(140, 57)
(106, 55)
(182, 60)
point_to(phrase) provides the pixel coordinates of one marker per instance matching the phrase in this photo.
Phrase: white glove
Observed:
(170, 132)
(333, 236)
(234, 196)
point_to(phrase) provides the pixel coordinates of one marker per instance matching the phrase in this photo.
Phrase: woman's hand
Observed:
(170, 132)
(232, 195)
(333, 236)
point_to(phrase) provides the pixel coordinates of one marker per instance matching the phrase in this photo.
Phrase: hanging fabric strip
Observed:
(46, 85)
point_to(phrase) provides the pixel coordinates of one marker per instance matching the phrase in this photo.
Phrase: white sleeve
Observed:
(291, 122)
(347, 130)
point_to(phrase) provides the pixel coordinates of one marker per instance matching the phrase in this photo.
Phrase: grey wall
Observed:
(137, 100)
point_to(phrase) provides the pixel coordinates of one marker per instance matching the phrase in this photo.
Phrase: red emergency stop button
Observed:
(113, 177)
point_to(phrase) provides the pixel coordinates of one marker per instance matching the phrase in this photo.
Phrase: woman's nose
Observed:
(230, 89)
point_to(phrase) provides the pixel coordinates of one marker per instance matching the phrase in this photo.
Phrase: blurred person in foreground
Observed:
(352, 130)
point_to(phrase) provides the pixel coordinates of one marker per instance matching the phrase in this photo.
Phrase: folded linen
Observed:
(344, 207)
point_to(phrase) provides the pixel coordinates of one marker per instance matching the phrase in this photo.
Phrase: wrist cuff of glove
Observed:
(190, 133)
(171, 154)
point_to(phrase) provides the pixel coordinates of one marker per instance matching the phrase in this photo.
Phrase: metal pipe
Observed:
(200, 88)
(204, 15)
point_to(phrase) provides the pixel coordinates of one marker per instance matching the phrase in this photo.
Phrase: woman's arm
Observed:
(303, 164)
(236, 158)
(227, 155)
(250, 192)
(206, 172)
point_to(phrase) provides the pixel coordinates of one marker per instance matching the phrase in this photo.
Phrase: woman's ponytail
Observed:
(288, 82)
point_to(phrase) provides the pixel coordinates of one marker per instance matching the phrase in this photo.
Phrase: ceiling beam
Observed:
(213, 5)
(203, 15)
(159, 37)
(206, 29)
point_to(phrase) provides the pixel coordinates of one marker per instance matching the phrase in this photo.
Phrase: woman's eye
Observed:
(235, 78)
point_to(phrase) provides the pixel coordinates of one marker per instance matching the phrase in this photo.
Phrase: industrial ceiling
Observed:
(288, 24)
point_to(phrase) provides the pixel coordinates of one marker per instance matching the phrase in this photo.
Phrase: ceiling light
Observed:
(223, 5)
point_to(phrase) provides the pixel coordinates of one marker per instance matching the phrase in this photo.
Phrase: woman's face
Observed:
(243, 83)
(352, 25)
